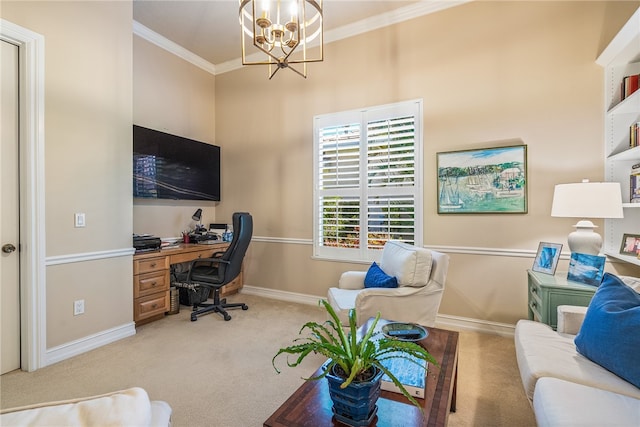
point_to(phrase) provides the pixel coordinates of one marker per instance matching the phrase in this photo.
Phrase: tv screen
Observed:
(172, 167)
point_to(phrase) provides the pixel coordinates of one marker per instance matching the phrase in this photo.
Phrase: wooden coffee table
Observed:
(310, 405)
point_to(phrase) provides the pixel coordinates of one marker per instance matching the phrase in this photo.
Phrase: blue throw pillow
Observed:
(609, 334)
(376, 278)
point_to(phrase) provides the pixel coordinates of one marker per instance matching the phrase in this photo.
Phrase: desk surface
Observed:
(311, 405)
(183, 248)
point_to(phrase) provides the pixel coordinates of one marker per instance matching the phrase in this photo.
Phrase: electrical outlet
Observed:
(78, 307)
(79, 220)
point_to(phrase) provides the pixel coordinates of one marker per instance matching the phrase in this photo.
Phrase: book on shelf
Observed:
(634, 135)
(634, 184)
(629, 85)
(412, 376)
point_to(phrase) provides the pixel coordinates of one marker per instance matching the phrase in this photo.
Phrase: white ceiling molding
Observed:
(166, 44)
(360, 27)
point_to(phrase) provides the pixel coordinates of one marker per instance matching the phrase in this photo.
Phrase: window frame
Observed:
(363, 117)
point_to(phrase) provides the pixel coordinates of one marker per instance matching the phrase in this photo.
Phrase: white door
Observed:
(9, 212)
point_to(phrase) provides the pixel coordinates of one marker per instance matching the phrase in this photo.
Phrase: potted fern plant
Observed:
(354, 368)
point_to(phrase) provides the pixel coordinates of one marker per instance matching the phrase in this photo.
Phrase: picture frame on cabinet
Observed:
(630, 245)
(485, 180)
(547, 257)
(586, 268)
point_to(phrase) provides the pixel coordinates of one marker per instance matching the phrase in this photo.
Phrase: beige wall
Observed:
(490, 73)
(173, 96)
(88, 91)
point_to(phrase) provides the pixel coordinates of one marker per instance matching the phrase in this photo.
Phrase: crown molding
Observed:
(172, 47)
(359, 27)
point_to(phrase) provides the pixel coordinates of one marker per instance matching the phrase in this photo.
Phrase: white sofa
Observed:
(131, 408)
(421, 275)
(564, 387)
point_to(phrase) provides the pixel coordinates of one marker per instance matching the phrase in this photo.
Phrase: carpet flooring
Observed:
(217, 373)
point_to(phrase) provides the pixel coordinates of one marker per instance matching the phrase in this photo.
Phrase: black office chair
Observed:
(222, 268)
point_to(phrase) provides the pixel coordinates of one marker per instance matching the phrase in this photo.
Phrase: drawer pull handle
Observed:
(534, 305)
(534, 290)
(153, 284)
(154, 305)
(153, 264)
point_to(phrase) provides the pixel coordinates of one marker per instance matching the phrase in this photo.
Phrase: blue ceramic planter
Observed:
(354, 405)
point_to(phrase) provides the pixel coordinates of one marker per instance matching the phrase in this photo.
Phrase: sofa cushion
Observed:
(376, 278)
(128, 407)
(609, 334)
(558, 403)
(542, 352)
(410, 265)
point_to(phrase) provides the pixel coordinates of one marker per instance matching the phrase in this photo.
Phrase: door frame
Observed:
(32, 245)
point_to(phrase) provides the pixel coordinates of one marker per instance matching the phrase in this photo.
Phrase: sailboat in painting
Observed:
(449, 193)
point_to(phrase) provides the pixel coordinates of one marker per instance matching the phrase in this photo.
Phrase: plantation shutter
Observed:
(367, 170)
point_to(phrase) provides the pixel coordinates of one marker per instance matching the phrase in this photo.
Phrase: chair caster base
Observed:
(245, 307)
(193, 318)
(227, 318)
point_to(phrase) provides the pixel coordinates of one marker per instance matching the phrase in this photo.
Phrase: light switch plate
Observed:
(79, 220)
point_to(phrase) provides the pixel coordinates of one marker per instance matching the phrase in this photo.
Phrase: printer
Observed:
(146, 243)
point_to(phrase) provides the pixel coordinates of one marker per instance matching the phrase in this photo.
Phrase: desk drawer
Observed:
(190, 256)
(150, 264)
(151, 305)
(149, 283)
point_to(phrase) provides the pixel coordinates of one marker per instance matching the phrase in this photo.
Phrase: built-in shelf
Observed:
(619, 59)
(630, 154)
(629, 105)
(625, 258)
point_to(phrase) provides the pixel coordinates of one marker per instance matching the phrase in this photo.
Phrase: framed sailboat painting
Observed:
(486, 180)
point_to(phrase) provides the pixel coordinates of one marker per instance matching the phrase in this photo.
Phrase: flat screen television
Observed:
(172, 167)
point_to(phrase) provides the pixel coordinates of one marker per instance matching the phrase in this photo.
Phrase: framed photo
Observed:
(486, 180)
(547, 257)
(630, 245)
(587, 269)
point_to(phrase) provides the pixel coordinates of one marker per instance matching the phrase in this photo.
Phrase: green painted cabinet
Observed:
(547, 292)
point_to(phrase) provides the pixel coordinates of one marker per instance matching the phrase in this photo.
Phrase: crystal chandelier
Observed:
(283, 30)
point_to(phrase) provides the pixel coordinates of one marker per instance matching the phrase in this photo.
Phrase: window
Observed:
(367, 180)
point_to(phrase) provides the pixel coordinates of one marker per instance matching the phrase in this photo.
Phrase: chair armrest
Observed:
(209, 261)
(570, 319)
(352, 280)
(404, 304)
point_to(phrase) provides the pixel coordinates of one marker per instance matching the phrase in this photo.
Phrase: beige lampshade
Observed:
(587, 200)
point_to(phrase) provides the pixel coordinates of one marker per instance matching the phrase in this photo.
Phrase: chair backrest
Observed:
(410, 265)
(242, 232)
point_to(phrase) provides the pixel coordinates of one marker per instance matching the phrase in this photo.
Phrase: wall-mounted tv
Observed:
(172, 167)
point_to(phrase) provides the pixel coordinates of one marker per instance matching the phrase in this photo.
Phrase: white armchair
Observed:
(421, 275)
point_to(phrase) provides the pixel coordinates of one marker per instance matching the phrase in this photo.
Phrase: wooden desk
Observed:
(151, 278)
(311, 404)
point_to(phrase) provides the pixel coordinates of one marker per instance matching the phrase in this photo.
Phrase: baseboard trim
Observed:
(281, 295)
(442, 321)
(446, 321)
(91, 342)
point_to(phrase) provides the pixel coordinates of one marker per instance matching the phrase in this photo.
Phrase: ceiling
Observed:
(210, 29)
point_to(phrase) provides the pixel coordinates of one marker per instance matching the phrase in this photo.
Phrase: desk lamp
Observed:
(587, 200)
(197, 217)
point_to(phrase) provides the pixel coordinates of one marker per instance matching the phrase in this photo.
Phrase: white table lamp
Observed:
(587, 200)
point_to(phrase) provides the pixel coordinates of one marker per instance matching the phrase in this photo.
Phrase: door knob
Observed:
(8, 248)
